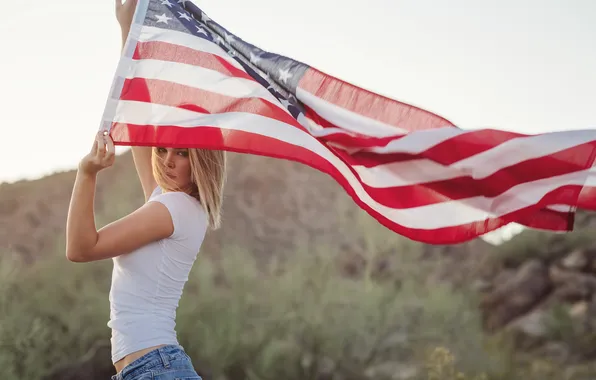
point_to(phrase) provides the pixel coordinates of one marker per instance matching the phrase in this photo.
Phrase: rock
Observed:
(391, 371)
(517, 296)
(569, 293)
(503, 277)
(532, 324)
(585, 283)
(482, 286)
(576, 260)
(579, 310)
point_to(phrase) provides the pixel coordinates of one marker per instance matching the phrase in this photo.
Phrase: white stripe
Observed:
(318, 130)
(559, 208)
(347, 119)
(406, 173)
(151, 33)
(433, 216)
(197, 77)
(418, 142)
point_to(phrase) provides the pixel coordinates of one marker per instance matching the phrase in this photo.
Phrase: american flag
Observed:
(185, 81)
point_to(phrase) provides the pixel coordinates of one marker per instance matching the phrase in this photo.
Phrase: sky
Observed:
(522, 65)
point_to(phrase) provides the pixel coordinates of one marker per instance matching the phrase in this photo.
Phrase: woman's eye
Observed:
(161, 150)
(183, 154)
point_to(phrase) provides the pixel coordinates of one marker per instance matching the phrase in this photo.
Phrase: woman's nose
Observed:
(170, 161)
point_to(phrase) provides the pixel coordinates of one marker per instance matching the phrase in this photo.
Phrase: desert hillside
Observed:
(535, 291)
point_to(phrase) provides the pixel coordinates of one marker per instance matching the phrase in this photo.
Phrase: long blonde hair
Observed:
(208, 176)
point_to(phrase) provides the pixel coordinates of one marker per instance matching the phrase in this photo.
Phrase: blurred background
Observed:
(300, 283)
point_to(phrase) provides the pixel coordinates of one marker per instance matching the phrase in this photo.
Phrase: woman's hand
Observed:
(102, 155)
(124, 13)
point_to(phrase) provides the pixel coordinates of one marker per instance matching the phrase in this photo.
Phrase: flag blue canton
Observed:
(278, 74)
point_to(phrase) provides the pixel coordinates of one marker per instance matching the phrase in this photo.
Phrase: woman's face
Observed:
(176, 165)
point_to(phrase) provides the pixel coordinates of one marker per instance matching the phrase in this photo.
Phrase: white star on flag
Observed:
(202, 31)
(285, 103)
(254, 59)
(229, 38)
(284, 75)
(184, 15)
(167, 3)
(163, 18)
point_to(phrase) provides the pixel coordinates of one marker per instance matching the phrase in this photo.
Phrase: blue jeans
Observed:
(164, 363)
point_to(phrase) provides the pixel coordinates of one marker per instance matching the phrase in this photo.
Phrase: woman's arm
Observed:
(84, 243)
(141, 155)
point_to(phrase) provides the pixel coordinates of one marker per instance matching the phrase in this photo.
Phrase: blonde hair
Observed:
(208, 176)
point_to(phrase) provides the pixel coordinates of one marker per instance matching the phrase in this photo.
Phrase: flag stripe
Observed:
(173, 53)
(199, 100)
(374, 106)
(174, 37)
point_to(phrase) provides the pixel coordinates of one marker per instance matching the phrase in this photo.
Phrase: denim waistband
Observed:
(160, 357)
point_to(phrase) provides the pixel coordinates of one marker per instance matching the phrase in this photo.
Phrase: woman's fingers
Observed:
(95, 149)
(102, 155)
(101, 147)
(111, 149)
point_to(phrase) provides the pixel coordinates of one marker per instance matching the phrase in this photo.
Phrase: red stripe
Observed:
(369, 104)
(199, 100)
(244, 142)
(548, 219)
(165, 51)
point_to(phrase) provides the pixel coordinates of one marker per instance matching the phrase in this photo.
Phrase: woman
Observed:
(153, 249)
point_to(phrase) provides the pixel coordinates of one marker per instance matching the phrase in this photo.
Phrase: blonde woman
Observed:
(153, 249)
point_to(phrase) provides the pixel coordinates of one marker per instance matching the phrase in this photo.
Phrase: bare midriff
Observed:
(122, 363)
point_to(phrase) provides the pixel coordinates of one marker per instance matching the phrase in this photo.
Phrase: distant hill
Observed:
(271, 207)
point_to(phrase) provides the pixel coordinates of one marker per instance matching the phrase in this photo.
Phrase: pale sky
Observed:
(521, 65)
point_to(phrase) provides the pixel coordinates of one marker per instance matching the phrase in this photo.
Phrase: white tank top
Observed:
(147, 283)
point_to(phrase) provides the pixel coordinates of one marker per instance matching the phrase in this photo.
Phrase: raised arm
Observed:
(151, 222)
(141, 155)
